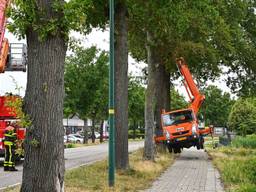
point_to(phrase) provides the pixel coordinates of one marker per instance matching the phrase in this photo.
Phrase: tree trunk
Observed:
(121, 86)
(93, 130)
(162, 79)
(149, 102)
(85, 130)
(134, 129)
(44, 147)
(101, 130)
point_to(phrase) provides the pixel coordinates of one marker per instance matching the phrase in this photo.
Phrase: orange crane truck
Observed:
(182, 128)
(13, 57)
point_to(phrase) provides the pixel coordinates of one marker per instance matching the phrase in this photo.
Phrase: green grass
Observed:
(95, 177)
(210, 142)
(137, 139)
(74, 145)
(237, 164)
(12, 189)
(247, 142)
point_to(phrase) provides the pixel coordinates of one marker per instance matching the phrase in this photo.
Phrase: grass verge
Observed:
(237, 165)
(95, 177)
(74, 145)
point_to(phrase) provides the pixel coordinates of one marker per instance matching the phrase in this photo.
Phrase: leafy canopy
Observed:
(177, 101)
(242, 118)
(86, 83)
(217, 106)
(58, 18)
(209, 34)
(136, 98)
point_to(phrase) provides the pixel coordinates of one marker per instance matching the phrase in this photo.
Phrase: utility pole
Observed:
(111, 111)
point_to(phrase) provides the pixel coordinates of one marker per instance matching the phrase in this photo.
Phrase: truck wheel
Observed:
(177, 150)
(169, 148)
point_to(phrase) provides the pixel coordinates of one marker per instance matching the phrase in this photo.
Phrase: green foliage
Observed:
(217, 106)
(246, 142)
(133, 133)
(16, 103)
(136, 97)
(86, 83)
(58, 18)
(242, 117)
(34, 143)
(208, 34)
(177, 100)
(70, 145)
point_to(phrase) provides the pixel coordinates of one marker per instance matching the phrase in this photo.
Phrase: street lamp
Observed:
(111, 169)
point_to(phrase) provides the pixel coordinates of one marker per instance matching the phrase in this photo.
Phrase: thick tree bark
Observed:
(101, 130)
(44, 148)
(43, 168)
(93, 130)
(134, 129)
(149, 101)
(121, 86)
(162, 79)
(85, 131)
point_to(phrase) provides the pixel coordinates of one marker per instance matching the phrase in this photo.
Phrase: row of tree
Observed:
(209, 34)
(86, 92)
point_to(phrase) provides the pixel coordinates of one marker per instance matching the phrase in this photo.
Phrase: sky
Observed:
(15, 82)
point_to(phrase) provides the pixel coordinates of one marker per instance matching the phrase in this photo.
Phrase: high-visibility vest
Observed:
(9, 138)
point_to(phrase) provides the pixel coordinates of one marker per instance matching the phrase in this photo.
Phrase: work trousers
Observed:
(9, 160)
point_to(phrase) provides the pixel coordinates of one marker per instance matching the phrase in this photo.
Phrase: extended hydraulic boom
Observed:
(181, 127)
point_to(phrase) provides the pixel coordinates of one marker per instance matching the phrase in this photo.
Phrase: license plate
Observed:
(180, 129)
(181, 139)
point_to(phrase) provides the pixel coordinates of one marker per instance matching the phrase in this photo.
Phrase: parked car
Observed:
(105, 135)
(97, 135)
(73, 138)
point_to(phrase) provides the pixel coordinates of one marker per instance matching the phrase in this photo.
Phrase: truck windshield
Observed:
(177, 118)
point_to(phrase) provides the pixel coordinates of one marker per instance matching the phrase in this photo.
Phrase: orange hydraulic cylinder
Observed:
(3, 55)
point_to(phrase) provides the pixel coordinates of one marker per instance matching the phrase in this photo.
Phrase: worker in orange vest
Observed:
(10, 138)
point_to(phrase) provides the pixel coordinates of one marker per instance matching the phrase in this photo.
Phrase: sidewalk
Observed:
(191, 172)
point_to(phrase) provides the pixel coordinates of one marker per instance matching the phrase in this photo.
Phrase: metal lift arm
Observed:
(4, 44)
(195, 96)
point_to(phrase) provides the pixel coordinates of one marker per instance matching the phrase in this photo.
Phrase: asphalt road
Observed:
(74, 157)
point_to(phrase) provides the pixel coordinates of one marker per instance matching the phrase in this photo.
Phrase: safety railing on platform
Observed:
(17, 58)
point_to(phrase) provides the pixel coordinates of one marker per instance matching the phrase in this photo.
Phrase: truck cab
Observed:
(180, 129)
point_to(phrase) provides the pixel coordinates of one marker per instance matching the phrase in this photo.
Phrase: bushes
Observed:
(70, 145)
(138, 134)
(242, 117)
(246, 142)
